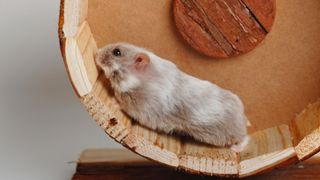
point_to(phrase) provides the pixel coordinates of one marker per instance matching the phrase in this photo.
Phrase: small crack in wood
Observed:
(254, 17)
(217, 35)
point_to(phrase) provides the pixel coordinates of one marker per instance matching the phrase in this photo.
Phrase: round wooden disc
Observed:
(224, 28)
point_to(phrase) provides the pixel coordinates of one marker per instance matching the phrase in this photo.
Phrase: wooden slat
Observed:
(160, 140)
(267, 141)
(80, 52)
(76, 67)
(264, 162)
(208, 159)
(310, 114)
(309, 145)
(75, 13)
(145, 148)
(224, 163)
(306, 130)
(88, 48)
(266, 150)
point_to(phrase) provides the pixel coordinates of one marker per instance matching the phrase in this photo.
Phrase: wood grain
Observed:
(80, 52)
(75, 13)
(263, 10)
(122, 164)
(223, 28)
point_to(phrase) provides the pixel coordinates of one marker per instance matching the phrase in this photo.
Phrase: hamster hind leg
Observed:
(240, 146)
(208, 137)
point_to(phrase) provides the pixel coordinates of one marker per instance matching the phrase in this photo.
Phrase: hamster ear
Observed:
(141, 61)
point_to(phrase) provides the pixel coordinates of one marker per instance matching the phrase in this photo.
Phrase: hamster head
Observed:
(123, 64)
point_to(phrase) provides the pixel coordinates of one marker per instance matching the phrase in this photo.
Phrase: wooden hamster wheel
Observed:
(279, 82)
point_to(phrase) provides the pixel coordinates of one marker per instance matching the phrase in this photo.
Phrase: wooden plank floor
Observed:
(122, 164)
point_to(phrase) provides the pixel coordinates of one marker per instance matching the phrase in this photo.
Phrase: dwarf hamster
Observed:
(154, 92)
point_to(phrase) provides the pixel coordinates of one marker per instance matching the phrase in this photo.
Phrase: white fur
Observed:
(166, 99)
(242, 145)
(131, 82)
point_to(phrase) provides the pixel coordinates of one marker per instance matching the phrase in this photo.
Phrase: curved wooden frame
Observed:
(286, 144)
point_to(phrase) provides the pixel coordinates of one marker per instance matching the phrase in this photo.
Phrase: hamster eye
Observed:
(116, 52)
